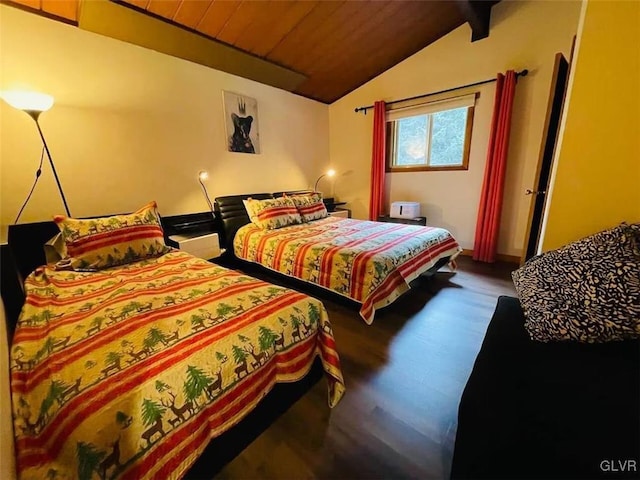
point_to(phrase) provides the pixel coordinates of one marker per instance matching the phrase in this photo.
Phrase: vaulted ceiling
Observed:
(320, 49)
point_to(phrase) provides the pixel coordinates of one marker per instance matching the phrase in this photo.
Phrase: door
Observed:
(547, 150)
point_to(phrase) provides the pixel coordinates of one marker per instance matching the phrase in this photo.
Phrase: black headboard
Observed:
(23, 254)
(11, 288)
(232, 215)
(26, 243)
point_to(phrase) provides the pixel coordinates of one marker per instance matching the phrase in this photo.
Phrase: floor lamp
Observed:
(34, 104)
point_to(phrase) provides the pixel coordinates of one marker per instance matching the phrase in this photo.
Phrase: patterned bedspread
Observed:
(369, 262)
(129, 372)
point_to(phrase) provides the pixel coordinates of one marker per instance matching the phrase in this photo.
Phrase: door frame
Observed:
(555, 105)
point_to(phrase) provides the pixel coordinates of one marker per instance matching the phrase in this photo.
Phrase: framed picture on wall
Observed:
(241, 122)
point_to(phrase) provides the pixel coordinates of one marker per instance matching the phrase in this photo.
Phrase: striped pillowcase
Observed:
(272, 213)
(311, 206)
(99, 243)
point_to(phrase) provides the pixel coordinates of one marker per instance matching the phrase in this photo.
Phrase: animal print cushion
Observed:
(272, 213)
(311, 206)
(99, 243)
(587, 291)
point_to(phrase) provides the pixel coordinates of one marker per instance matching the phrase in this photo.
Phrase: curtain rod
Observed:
(523, 73)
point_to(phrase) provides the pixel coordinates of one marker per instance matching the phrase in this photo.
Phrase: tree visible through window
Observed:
(433, 136)
(411, 139)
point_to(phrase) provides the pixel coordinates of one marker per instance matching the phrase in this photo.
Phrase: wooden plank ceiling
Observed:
(338, 45)
(65, 10)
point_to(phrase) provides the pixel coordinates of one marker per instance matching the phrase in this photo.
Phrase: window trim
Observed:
(391, 147)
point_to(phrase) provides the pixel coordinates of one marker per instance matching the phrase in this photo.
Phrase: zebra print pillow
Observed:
(587, 291)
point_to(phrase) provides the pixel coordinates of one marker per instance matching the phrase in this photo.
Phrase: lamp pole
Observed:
(315, 187)
(202, 175)
(331, 172)
(35, 114)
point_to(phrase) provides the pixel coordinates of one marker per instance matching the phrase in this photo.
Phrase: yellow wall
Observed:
(130, 124)
(524, 34)
(597, 177)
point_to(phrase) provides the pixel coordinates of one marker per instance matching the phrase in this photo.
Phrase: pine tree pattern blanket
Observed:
(128, 372)
(369, 262)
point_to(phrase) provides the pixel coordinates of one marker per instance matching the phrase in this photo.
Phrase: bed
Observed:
(371, 263)
(129, 371)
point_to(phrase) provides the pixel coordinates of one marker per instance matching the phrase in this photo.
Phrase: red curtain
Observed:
(376, 200)
(488, 224)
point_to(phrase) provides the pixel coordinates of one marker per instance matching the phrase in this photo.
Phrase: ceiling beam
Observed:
(118, 20)
(478, 14)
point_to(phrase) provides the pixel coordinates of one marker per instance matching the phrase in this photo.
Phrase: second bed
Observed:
(372, 263)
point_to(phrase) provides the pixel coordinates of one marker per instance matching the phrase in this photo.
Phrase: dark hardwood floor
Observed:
(404, 376)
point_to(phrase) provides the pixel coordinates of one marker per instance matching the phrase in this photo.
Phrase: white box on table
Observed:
(405, 210)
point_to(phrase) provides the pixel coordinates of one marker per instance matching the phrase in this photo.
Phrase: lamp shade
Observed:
(28, 101)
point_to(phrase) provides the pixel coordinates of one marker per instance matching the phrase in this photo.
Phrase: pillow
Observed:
(310, 206)
(587, 291)
(98, 243)
(272, 213)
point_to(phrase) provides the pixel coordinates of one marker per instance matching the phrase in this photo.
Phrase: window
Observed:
(431, 136)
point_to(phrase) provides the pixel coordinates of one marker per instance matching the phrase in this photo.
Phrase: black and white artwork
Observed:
(241, 120)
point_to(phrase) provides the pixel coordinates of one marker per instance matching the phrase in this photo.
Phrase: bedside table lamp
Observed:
(328, 173)
(34, 104)
(203, 176)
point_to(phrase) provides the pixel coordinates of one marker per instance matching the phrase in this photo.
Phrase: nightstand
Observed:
(200, 245)
(195, 233)
(340, 212)
(409, 221)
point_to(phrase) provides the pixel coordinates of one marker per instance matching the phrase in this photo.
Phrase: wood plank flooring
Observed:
(404, 376)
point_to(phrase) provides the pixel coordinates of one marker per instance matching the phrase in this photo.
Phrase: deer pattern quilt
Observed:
(369, 262)
(128, 372)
